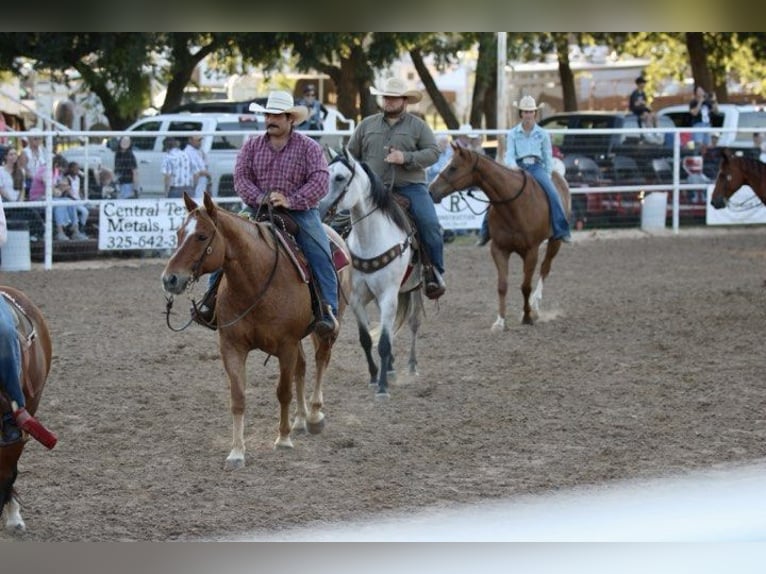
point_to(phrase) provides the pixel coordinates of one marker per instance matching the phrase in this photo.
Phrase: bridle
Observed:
(352, 168)
(195, 277)
(477, 157)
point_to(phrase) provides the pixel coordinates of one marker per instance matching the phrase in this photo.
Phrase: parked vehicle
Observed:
(608, 159)
(730, 120)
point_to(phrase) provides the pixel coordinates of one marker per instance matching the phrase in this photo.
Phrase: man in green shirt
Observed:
(398, 147)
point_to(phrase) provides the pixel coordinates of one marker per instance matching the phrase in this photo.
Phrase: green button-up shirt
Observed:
(373, 136)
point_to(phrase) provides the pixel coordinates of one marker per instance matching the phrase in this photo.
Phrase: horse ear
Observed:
(332, 153)
(190, 204)
(210, 206)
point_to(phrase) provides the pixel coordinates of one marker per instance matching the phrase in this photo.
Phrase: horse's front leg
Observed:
(299, 423)
(530, 263)
(501, 265)
(13, 521)
(234, 364)
(288, 359)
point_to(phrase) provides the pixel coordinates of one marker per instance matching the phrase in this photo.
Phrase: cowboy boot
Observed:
(327, 325)
(204, 314)
(435, 285)
(32, 426)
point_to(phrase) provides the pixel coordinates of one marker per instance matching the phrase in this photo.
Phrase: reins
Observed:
(259, 296)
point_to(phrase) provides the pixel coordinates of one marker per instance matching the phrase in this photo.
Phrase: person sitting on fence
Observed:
(639, 106)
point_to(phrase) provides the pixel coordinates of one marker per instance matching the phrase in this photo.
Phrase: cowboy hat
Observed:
(467, 130)
(280, 102)
(396, 88)
(528, 103)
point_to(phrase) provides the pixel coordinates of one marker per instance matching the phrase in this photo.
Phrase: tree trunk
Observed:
(438, 99)
(695, 45)
(484, 105)
(568, 91)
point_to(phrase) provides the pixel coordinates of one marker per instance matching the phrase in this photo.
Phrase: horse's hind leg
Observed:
(550, 252)
(288, 360)
(530, 264)
(322, 353)
(416, 303)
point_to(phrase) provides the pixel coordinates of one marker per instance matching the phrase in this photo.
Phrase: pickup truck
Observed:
(222, 136)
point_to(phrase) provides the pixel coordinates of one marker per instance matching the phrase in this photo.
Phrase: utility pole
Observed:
(502, 93)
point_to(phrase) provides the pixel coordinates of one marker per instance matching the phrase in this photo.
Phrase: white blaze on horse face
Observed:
(189, 229)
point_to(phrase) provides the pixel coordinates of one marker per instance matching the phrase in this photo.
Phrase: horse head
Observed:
(457, 174)
(199, 247)
(347, 179)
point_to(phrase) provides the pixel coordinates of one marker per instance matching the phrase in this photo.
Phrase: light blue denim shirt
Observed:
(537, 143)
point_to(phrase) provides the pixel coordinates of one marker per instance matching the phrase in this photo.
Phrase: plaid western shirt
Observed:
(298, 171)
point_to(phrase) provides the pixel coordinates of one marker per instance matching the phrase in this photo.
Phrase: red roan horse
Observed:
(262, 304)
(733, 173)
(519, 219)
(36, 355)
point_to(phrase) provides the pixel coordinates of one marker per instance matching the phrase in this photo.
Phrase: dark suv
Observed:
(620, 156)
(610, 159)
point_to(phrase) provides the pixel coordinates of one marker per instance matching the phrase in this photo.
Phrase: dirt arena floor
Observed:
(647, 361)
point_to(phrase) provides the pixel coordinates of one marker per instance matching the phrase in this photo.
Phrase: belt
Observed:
(529, 160)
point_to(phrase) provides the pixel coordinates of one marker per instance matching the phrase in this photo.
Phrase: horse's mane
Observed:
(752, 166)
(384, 200)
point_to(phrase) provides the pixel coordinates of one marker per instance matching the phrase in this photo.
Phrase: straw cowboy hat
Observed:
(467, 130)
(396, 88)
(280, 102)
(527, 103)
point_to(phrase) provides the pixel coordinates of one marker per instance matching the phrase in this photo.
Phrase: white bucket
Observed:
(654, 208)
(15, 254)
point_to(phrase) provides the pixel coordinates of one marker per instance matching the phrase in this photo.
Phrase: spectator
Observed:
(469, 140)
(317, 111)
(63, 215)
(34, 163)
(399, 147)
(78, 213)
(528, 146)
(126, 170)
(177, 169)
(639, 105)
(199, 166)
(12, 189)
(286, 169)
(702, 108)
(445, 153)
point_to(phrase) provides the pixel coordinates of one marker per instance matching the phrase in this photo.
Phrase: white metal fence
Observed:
(605, 198)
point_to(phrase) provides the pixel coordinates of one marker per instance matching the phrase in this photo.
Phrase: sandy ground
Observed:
(646, 362)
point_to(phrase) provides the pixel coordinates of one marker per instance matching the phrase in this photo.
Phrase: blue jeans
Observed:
(10, 354)
(559, 220)
(701, 138)
(125, 191)
(429, 229)
(315, 244)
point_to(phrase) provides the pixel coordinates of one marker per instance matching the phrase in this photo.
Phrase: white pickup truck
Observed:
(222, 137)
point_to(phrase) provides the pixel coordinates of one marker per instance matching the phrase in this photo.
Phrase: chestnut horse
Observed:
(734, 172)
(519, 219)
(36, 356)
(262, 304)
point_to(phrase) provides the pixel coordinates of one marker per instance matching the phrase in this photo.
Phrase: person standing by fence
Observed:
(126, 170)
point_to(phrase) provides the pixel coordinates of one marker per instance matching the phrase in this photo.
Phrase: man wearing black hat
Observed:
(638, 105)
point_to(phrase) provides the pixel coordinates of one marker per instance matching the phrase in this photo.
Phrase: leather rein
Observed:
(490, 201)
(196, 275)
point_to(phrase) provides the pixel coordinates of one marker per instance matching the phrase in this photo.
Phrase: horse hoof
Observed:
(16, 527)
(528, 321)
(283, 443)
(299, 426)
(382, 395)
(316, 427)
(234, 464)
